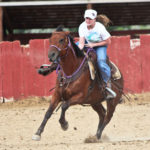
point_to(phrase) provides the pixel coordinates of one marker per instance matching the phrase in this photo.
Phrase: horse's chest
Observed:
(71, 89)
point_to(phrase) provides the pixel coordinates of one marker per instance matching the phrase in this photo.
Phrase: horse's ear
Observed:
(59, 28)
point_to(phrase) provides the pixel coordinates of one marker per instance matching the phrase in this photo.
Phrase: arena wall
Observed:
(19, 64)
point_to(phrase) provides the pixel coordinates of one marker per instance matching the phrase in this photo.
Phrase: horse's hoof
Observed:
(65, 126)
(92, 139)
(36, 137)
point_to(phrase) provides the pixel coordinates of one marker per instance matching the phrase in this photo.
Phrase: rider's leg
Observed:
(105, 69)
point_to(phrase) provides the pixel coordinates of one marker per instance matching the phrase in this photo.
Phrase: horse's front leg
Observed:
(53, 105)
(62, 120)
(76, 99)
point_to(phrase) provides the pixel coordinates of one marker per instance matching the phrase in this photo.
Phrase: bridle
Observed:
(66, 48)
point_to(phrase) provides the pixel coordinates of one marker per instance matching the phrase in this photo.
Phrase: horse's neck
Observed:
(70, 63)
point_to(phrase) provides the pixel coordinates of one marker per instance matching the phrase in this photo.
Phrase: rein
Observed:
(77, 70)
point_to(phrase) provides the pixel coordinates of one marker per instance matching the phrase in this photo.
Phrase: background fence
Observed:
(18, 66)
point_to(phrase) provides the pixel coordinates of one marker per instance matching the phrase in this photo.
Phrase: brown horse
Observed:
(74, 85)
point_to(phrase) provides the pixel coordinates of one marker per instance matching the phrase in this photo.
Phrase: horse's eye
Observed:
(61, 41)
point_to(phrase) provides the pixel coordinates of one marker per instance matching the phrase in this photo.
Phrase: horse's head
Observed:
(59, 43)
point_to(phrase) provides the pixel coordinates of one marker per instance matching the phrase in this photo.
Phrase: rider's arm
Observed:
(81, 42)
(102, 43)
(81, 36)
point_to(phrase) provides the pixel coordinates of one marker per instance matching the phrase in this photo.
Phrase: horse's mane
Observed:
(78, 52)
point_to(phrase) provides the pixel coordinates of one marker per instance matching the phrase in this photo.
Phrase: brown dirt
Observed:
(128, 129)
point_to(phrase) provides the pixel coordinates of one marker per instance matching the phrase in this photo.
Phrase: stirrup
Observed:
(111, 94)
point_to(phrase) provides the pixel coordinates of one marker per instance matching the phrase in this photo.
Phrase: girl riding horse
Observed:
(74, 85)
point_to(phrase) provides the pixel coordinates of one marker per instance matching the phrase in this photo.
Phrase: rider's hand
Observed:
(91, 45)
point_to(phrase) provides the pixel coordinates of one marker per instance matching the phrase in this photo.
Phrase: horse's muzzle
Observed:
(53, 55)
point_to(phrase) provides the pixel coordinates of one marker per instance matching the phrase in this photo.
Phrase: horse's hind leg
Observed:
(101, 113)
(48, 114)
(110, 110)
(62, 120)
(111, 105)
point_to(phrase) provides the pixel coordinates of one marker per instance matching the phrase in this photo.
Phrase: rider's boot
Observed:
(110, 93)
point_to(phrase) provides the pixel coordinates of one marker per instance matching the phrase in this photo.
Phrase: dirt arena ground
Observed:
(129, 128)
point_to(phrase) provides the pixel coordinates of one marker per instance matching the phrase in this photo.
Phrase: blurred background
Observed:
(24, 20)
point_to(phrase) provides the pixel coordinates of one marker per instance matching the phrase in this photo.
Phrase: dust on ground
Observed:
(128, 129)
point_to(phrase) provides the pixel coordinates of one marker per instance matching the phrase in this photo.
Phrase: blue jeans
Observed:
(101, 59)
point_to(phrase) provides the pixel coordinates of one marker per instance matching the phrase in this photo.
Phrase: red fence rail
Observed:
(18, 66)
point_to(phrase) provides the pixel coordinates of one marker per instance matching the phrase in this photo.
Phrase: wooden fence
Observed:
(19, 64)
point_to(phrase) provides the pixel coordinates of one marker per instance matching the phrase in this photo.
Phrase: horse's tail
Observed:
(104, 20)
